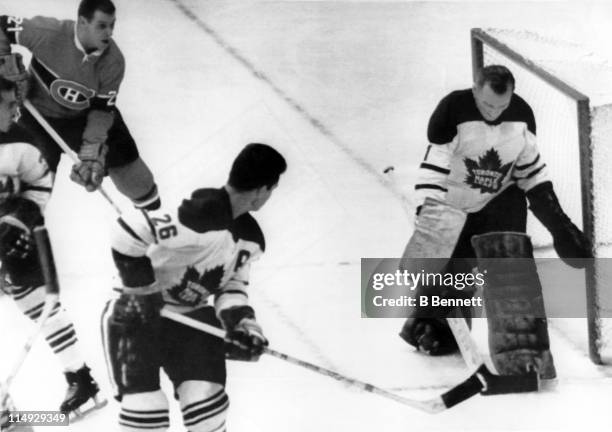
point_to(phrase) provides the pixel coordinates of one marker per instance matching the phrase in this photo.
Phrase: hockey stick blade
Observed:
(452, 397)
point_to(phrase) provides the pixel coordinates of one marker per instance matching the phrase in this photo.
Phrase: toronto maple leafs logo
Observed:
(487, 173)
(195, 287)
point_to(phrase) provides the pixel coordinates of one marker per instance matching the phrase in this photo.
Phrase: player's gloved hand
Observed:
(245, 337)
(568, 240)
(15, 238)
(89, 172)
(12, 68)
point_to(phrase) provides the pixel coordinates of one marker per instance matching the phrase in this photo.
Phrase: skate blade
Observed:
(91, 405)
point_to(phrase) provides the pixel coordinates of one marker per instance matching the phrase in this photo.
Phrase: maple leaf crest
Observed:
(211, 279)
(487, 173)
(188, 291)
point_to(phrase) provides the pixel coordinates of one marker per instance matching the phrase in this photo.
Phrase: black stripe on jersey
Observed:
(430, 186)
(42, 72)
(530, 164)
(531, 174)
(151, 226)
(9, 28)
(435, 168)
(101, 103)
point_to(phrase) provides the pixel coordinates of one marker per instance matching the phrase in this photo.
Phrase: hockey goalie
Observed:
(483, 161)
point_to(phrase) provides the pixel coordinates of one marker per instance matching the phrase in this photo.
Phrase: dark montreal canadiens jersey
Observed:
(470, 160)
(197, 250)
(67, 82)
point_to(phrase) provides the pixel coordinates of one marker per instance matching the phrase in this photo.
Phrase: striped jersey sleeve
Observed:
(434, 169)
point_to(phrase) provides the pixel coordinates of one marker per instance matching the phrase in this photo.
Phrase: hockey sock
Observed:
(58, 330)
(144, 412)
(204, 406)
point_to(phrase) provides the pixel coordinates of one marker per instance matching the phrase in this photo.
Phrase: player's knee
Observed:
(204, 406)
(144, 412)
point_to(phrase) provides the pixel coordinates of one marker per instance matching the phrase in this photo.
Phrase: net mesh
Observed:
(558, 131)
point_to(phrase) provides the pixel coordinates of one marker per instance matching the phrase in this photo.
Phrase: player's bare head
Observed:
(96, 22)
(493, 90)
(8, 103)
(255, 173)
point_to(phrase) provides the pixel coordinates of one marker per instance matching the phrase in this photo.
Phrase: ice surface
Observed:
(344, 89)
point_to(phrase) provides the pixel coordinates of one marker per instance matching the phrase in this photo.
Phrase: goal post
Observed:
(557, 79)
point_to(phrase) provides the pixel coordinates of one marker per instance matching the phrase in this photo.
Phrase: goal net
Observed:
(570, 91)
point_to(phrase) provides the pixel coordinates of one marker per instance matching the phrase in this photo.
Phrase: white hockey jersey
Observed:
(470, 160)
(197, 251)
(23, 170)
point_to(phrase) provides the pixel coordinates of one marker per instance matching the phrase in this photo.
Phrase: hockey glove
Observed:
(568, 240)
(11, 68)
(245, 339)
(20, 216)
(90, 171)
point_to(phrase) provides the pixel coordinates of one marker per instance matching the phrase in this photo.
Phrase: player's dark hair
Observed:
(255, 166)
(87, 8)
(499, 78)
(6, 85)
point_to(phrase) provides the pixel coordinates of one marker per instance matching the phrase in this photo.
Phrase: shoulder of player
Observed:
(245, 227)
(520, 111)
(207, 210)
(49, 25)
(453, 109)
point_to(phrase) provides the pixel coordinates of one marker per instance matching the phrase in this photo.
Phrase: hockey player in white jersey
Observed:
(483, 159)
(25, 188)
(194, 260)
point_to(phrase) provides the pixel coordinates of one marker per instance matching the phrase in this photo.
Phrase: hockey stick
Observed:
(491, 383)
(62, 144)
(45, 256)
(452, 397)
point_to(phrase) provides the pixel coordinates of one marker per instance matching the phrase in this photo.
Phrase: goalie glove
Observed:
(245, 337)
(11, 68)
(568, 240)
(90, 171)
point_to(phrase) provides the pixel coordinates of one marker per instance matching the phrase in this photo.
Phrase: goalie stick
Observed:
(492, 384)
(468, 388)
(45, 256)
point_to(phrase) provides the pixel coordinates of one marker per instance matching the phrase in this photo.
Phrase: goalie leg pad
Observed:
(518, 330)
(437, 230)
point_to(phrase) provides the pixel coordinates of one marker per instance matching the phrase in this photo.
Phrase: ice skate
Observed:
(82, 394)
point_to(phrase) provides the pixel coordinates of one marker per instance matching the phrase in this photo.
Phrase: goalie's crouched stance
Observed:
(519, 341)
(138, 342)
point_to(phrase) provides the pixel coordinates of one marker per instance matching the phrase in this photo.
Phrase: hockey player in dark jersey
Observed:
(186, 259)
(482, 158)
(25, 187)
(76, 72)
